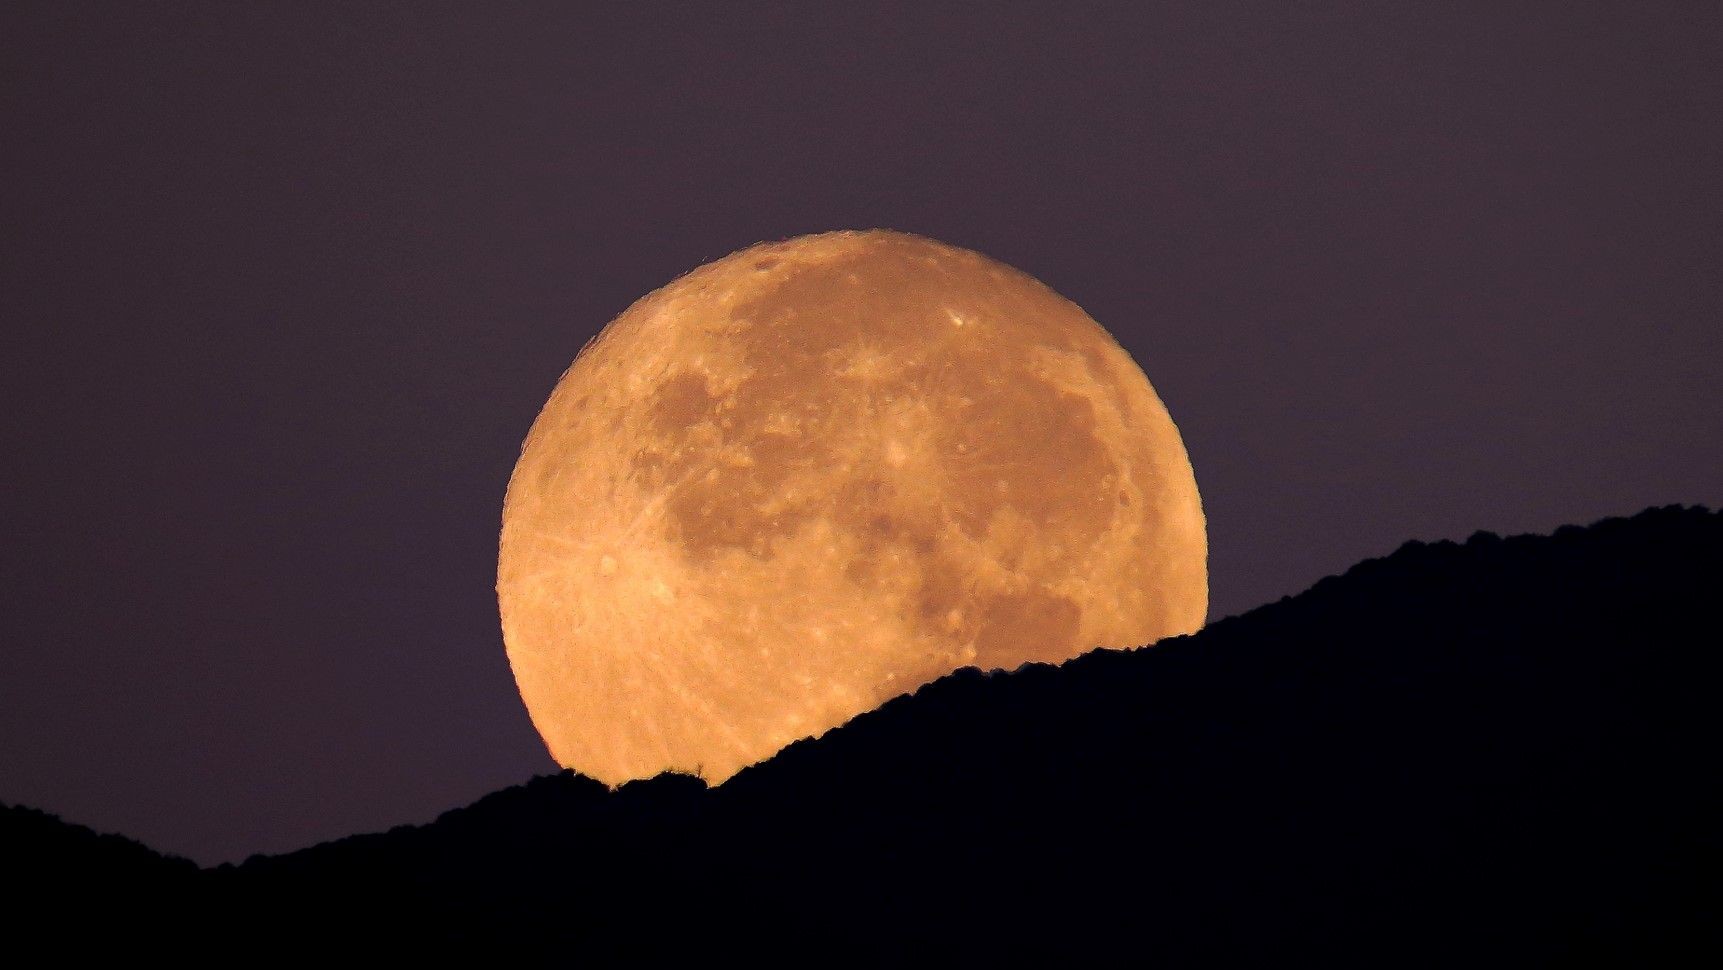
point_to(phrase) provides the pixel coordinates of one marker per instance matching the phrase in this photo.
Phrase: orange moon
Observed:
(819, 473)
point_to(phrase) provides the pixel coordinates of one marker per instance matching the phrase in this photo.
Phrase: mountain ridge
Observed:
(1500, 749)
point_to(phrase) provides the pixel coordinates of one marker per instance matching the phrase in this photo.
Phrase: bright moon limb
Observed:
(819, 473)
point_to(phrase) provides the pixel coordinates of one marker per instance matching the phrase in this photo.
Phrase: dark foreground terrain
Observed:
(1502, 752)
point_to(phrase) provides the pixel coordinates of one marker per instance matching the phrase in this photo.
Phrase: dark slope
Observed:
(67, 887)
(1502, 752)
(37, 846)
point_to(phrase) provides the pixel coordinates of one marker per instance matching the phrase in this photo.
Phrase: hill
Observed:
(1499, 752)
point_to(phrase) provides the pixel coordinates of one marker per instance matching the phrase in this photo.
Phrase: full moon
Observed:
(819, 473)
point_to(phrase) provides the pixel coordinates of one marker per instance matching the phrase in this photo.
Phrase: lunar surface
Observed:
(819, 473)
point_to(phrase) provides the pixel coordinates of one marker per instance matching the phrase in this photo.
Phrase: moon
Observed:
(819, 473)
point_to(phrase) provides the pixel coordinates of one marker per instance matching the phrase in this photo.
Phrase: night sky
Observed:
(283, 286)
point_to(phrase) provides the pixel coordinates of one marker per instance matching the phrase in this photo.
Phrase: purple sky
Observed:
(282, 287)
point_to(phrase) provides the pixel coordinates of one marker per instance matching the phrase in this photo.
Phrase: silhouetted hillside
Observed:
(40, 846)
(68, 887)
(1500, 752)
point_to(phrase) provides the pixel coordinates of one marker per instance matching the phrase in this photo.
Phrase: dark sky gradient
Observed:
(283, 286)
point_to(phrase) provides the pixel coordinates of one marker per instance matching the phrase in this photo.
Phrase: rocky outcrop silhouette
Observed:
(1497, 752)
